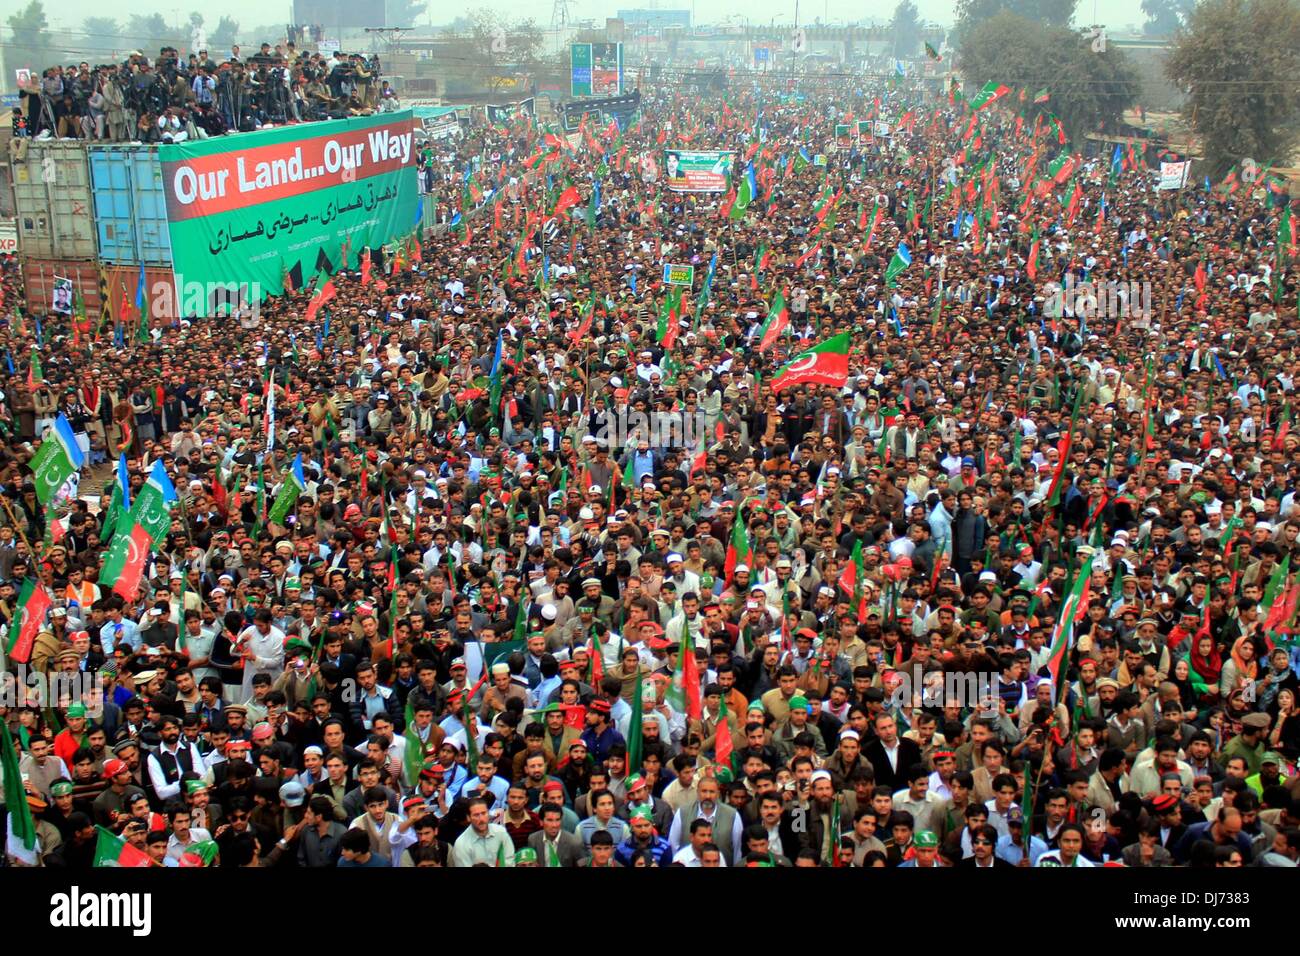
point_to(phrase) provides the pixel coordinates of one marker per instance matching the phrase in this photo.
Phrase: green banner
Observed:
(248, 212)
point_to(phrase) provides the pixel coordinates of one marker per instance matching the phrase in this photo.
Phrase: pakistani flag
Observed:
(294, 485)
(902, 259)
(801, 159)
(57, 460)
(745, 193)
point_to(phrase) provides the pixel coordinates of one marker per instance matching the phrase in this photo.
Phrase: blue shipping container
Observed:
(130, 205)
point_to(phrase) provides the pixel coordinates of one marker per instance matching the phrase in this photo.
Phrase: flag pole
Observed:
(17, 527)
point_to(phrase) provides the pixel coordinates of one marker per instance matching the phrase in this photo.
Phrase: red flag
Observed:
(568, 199)
(1072, 209)
(30, 623)
(326, 292)
(136, 556)
(798, 263)
(722, 746)
(365, 268)
(219, 497)
(690, 680)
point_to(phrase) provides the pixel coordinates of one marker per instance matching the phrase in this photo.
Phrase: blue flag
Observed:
(123, 482)
(141, 282)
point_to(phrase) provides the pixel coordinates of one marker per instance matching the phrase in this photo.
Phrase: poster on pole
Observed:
(1174, 175)
(679, 274)
(843, 136)
(697, 171)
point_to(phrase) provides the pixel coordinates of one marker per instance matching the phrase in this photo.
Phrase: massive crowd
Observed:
(1019, 592)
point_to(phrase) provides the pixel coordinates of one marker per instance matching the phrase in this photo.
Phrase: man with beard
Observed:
(727, 824)
(171, 761)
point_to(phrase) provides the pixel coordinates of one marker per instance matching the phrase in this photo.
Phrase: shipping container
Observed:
(99, 283)
(6, 176)
(121, 283)
(130, 205)
(52, 201)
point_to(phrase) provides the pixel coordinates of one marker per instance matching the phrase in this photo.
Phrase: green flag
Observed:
(21, 824)
(634, 741)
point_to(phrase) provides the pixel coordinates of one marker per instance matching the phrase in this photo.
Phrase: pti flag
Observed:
(293, 486)
(57, 460)
(111, 850)
(135, 555)
(1063, 635)
(991, 93)
(33, 604)
(778, 320)
(824, 364)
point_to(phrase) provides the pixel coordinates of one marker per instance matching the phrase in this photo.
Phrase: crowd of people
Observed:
(491, 632)
(173, 98)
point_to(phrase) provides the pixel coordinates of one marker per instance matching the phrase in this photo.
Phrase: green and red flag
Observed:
(825, 364)
(722, 745)
(199, 854)
(33, 604)
(932, 53)
(778, 320)
(991, 93)
(739, 550)
(112, 850)
(1063, 633)
(1042, 96)
(635, 741)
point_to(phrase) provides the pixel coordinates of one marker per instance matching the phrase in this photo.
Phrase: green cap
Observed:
(61, 788)
(194, 786)
(77, 710)
(292, 584)
(634, 782)
(297, 645)
(525, 855)
(756, 705)
(642, 813)
(926, 838)
(1272, 756)
(723, 775)
(798, 701)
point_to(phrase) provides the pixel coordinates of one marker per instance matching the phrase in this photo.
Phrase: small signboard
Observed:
(679, 274)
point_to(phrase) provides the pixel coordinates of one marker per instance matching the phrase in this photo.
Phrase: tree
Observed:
(1237, 61)
(29, 45)
(103, 35)
(1164, 17)
(971, 13)
(225, 35)
(150, 32)
(1088, 90)
(905, 29)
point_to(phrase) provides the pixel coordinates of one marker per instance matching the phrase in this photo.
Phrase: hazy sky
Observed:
(70, 14)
